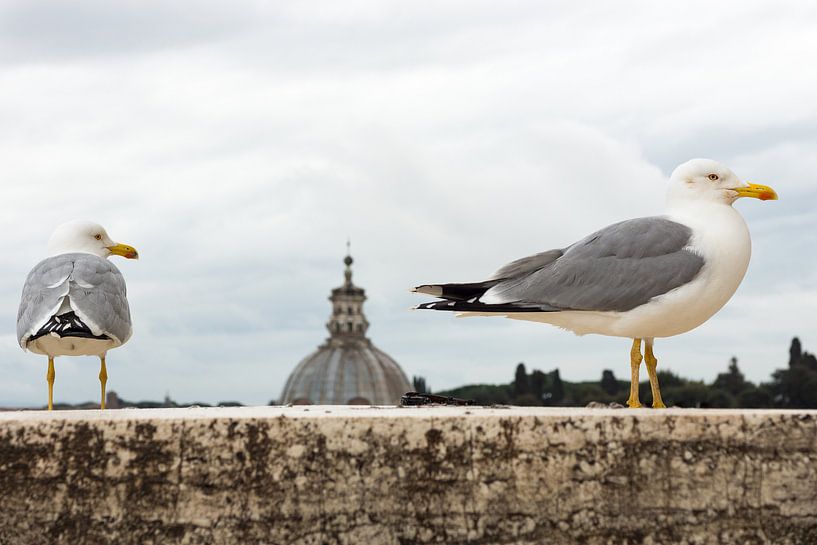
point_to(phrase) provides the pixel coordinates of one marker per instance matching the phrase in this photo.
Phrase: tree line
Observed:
(794, 387)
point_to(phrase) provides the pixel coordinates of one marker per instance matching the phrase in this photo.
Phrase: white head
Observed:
(708, 180)
(87, 237)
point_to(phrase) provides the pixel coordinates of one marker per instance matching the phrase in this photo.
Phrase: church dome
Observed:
(347, 369)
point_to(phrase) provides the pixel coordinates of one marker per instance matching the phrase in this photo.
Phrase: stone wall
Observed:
(340, 475)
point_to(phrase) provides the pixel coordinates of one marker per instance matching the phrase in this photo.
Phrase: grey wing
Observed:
(99, 297)
(615, 269)
(527, 265)
(43, 291)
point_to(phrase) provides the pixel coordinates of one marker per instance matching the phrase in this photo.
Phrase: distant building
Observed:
(347, 369)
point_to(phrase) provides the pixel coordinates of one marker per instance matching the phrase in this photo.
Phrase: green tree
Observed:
(419, 384)
(557, 388)
(720, 399)
(794, 388)
(520, 381)
(799, 357)
(754, 398)
(581, 393)
(483, 394)
(690, 394)
(608, 382)
(732, 380)
(795, 352)
(538, 382)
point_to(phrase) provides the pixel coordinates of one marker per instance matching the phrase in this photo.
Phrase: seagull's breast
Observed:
(720, 236)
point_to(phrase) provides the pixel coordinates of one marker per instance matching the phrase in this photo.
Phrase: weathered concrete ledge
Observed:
(342, 475)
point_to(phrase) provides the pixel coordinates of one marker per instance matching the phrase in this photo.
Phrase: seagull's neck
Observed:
(75, 250)
(719, 232)
(697, 213)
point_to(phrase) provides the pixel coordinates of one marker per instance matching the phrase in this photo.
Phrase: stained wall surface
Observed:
(344, 475)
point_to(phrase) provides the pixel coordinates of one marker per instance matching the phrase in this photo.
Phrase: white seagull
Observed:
(641, 278)
(74, 302)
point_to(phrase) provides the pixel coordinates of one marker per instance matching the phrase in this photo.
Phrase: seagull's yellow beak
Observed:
(757, 191)
(128, 252)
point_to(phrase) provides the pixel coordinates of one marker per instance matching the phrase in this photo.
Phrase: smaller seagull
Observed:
(642, 278)
(74, 302)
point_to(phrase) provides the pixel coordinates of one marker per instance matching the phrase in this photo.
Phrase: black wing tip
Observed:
(436, 305)
(456, 292)
(66, 325)
(466, 306)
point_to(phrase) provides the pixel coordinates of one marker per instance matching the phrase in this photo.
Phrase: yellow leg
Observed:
(103, 379)
(49, 376)
(652, 363)
(635, 363)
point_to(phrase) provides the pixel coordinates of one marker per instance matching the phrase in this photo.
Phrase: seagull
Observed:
(74, 302)
(641, 279)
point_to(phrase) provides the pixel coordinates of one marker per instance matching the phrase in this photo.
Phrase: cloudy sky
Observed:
(238, 144)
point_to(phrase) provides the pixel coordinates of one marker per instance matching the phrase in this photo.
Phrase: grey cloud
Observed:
(445, 141)
(726, 142)
(50, 30)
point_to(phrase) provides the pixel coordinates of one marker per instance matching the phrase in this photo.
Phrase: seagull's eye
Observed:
(98, 237)
(713, 177)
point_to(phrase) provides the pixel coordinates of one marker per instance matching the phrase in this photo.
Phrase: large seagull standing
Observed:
(74, 302)
(642, 278)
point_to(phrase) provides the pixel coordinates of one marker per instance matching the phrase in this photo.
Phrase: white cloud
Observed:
(238, 150)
